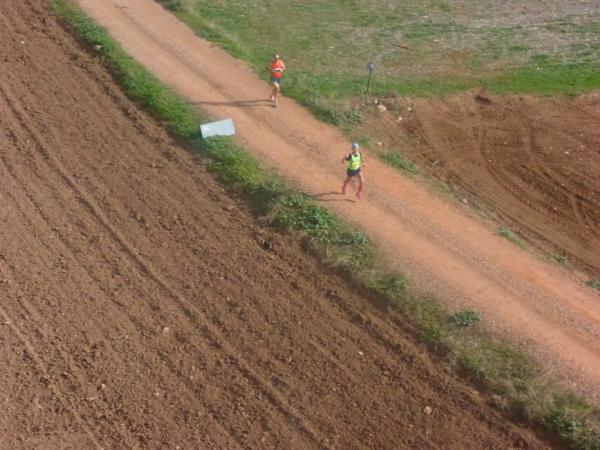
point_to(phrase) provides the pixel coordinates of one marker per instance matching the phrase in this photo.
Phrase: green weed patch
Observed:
(507, 233)
(594, 284)
(398, 161)
(464, 318)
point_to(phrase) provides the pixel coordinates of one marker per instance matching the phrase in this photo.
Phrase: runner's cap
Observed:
(354, 145)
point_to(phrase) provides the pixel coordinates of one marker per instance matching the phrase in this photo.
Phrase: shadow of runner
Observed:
(326, 197)
(238, 103)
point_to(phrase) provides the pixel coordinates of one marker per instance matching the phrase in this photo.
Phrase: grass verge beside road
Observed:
(420, 48)
(516, 383)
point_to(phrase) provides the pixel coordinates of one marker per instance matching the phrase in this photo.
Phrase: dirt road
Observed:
(441, 248)
(138, 310)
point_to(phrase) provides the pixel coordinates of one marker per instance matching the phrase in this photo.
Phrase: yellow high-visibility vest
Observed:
(354, 162)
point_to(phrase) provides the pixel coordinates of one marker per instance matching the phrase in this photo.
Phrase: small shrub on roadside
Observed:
(173, 5)
(299, 213)
(352, 238)
(566, 415)
(396, 160)
(427, 314)
(464, 318)
(350, 117)
(507, 233)
(392, 285)
(230, 162)
(497, 365)
(177, 5)
(594, 283)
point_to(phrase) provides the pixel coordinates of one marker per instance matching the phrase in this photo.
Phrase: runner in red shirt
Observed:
(277, 67)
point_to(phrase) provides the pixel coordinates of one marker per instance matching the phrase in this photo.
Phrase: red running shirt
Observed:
(277, 64)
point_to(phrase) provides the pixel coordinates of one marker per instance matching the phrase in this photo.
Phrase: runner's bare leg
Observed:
(361, 183)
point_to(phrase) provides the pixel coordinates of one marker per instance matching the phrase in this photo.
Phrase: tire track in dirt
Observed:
(533, 200)
(520, 191)
(29, 312)
(40, 364)
(210, 333)
(553, 180)
(137, 323)
(35, 317)
(60, 171)
(435, 134)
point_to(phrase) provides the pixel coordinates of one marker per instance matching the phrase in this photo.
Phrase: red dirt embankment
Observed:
(533, 163)
(138, 310)
(436, 244)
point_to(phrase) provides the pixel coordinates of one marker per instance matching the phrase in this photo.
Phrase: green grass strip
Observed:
(540, 74)
(135, 80)
(547, 78)
(510, 235)
(396, 160)
(516, 383)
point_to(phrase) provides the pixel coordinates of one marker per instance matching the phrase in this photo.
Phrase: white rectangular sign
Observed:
(220, 128)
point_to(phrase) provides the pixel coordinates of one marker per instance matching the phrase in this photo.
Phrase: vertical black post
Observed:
(371, 68)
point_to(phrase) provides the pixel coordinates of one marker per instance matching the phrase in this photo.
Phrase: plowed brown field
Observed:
(138, 310)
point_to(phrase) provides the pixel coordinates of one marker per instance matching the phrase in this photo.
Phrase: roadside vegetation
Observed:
(510, 235)
(561, 259)
(395, 159)
(515, 383)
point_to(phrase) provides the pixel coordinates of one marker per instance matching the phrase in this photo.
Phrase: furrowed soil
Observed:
(443, 248)
(139, 310)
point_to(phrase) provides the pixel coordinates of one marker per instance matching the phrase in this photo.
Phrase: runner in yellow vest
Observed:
(355, 162)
